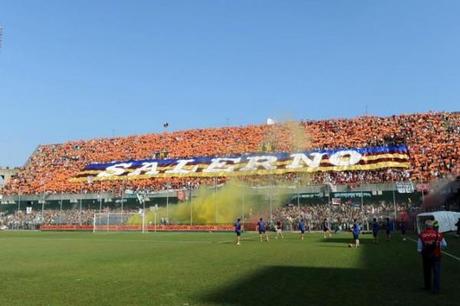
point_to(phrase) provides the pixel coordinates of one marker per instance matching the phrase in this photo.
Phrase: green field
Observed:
(208, 269)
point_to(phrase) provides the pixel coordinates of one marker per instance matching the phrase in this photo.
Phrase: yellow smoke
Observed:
(222, 205)
(236, 199)
(288, 136)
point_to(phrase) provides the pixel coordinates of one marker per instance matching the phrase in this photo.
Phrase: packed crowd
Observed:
(340, 217)
(432, 139)
(33, 218)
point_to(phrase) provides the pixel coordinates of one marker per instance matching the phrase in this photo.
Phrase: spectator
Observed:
(432, 139)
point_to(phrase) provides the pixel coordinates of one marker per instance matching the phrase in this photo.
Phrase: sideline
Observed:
(107, 240)
(444, 252)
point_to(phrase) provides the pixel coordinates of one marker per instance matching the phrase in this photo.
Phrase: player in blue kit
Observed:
(356, 231)
(388, 229)
(238, 231)
(375, 230)
(262, 228)
(302, 228)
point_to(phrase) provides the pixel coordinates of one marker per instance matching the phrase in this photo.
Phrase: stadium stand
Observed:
(340, 216)
(432, 139)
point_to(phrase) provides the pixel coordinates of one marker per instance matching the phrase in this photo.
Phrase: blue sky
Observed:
(83, 69)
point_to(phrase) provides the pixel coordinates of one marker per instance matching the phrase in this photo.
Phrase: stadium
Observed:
(383, 164)
(229, 153)
(178, 184)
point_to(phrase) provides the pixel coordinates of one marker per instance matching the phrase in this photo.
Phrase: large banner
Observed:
(371, 158)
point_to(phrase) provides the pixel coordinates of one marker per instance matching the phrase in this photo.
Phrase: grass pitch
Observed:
(208, 269)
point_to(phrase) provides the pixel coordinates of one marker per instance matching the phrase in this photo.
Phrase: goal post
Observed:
(119, 222)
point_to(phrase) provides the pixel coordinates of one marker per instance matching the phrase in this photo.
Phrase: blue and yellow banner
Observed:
(347, 159)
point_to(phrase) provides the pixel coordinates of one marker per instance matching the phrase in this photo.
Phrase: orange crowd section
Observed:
(433, 140)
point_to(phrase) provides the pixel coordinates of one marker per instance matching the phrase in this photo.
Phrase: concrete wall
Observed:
(6, 174)
(172, 193)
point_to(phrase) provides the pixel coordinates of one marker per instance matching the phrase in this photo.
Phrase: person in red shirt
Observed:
(429, 244)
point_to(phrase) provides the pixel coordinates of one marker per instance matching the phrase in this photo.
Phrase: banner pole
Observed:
(190, 203)
(271, 209)
(394, 200)
(143, 216)
(214, 195)
(100, 199)
(168, 189)
(60, 209)
(79, 215)
(298, 197)
(242, 204)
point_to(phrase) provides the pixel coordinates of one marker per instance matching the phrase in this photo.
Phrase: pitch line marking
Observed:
(105, 240)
